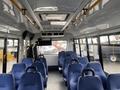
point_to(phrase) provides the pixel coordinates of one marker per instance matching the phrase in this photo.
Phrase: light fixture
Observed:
(59, 17)
(50, 8)
(61, 23)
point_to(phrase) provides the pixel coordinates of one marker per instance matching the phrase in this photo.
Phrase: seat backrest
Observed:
(43, 60)
(7, 82)
(61, 58)
(18, 70)
(68, 62)
(31, 81)
(74, 71)
(113, 82)
(73, 68)
(98, 71)
(27, 61)
(71, 53)
(61, 54)
(41, 68)
(89, 83)
(84, 61)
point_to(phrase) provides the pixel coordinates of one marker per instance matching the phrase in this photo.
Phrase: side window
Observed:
(104, 40)
(12, 51)
(114, 39)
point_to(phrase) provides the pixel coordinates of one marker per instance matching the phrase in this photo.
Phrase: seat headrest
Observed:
(90, 83)
(113, 82)
(30, 78)
(27, 61)
(31, 69)
(88, 72)
(18, 67)
(95, 65)
(75, 68)
(83, 60)
(6, 80)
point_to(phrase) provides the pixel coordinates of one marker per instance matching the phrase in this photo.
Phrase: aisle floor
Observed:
(55, 81)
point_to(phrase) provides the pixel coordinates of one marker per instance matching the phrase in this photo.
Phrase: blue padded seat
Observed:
(17, 71)
(65, 72)
(89, 83)
(71, 53)
(61, 58)
(68, 55)
(68, 61)
(7, 82)
(98, 71)
(31, 80)
(113, 82)
(43, 60)
(74, 72)
(84, 61)
(41, 68)
(27, 61)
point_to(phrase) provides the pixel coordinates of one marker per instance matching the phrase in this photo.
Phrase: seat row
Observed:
(72, 68)
(27, 75)
(93, 82)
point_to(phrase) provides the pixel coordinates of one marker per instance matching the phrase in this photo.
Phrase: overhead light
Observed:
(102, 26)
(51, 8)
(61, 23)
(60, 17)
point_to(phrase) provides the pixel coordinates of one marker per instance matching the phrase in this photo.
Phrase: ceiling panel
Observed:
(63, 5)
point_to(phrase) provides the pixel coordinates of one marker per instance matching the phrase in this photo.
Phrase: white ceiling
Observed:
(108, 15)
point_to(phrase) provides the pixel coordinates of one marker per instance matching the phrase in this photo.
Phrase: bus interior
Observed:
(59, 45)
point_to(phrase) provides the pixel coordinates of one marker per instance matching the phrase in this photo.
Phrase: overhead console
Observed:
(52, 34)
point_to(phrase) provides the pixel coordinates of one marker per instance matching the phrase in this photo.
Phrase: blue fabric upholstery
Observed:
(113, 82)
(41, 68)
(74, 72)
(68, 61)
(17, 71)
(43, 60)
(84, 61)
(98, 71)
(27, 61)
(7, 82)
(31, 81)
(61, 58)
(89, 83)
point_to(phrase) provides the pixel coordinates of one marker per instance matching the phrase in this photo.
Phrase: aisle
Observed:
(55, 82)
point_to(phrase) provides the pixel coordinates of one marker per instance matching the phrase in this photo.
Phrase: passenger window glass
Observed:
(76, 41)
(114, 39)
(12, 51)
(94, 40)
(55, 48)
(83, 48)
(10, 43)
(81, 41)
(15, 42)
(89, 41)
(1, 54)
(93, 49)
(77, 49)
(111, 59)
(84, 41)
(104, 39)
